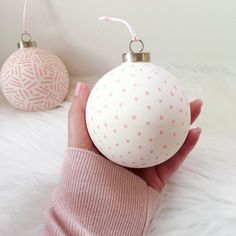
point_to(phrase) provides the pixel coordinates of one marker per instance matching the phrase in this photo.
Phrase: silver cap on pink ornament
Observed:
(26, 41)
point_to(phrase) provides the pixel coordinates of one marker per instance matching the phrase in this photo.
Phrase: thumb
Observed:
(78, 134)
(80, 99)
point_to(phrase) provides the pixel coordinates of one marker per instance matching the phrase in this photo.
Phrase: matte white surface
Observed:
(138, 115)
(180, 33)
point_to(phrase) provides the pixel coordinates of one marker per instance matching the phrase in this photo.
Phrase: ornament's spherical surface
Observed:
(138, 115)
(33, 79)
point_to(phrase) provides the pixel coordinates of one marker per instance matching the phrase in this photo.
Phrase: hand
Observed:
(156, 176)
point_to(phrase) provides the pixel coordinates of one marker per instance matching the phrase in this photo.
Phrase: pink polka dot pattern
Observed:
(146, 117)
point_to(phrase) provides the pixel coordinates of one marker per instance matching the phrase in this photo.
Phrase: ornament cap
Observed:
(136, 57)
(26, 41)
(28, 44)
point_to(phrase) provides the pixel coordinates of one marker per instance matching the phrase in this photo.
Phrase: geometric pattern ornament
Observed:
(33, 79)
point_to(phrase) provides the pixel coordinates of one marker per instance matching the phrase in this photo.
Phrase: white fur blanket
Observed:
(199, 200)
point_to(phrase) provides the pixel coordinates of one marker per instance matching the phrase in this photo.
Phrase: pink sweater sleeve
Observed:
(97, 197)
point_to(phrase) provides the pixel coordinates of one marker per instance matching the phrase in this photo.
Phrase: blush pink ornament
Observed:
(138, 114)
(32, 78)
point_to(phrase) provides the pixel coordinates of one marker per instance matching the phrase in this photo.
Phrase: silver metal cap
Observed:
(26, 43)
(133, 56)
(29, 44)
(136, 57)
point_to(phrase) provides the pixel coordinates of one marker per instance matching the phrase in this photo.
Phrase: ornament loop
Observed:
(28, 37)
(134, 41)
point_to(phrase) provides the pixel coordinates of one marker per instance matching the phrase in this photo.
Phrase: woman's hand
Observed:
(156, 176)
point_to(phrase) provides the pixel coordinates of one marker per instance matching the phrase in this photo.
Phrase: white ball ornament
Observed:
(138, 114)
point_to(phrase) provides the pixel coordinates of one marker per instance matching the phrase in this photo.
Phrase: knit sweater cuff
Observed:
(98, 197)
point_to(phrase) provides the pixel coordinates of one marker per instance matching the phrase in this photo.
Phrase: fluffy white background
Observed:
(199, 200)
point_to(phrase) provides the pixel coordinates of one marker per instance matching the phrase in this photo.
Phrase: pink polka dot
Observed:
(133, 117)
(164, 146)
(161, 132)
(140, 147)
(141, 158)
(148, 123)
(121, 104)
(181, 99)
(160, 101)
(149, 77)
(182, 123)
(151, 151)
(149, 107)
(171, 93)
(144, 164)
(161, 118)
(124, 90)
(127, 141)
(129, 153)
(180, 110)
(105, 124)
(120, 156)
(139, 133)
(116, 117)
(110, 94)
(150, 140)
(156, 72)
(156, 157)
(134, 162)
(114, 130)
(91, 118)
(94, 131)
(135, 85)
(171, 107)
(136, 99)
(117, 144)
(109, 148)
(159, 89)
(98, 126)
(174, 134)
(167, 154)
(175, 87)
(100, 141)
(125, 126)
(165, 81)
(173, 121)
(147, 93)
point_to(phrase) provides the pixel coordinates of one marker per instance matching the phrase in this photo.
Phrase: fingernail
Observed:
(77, 89)
(199, 130)
(199, 101)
